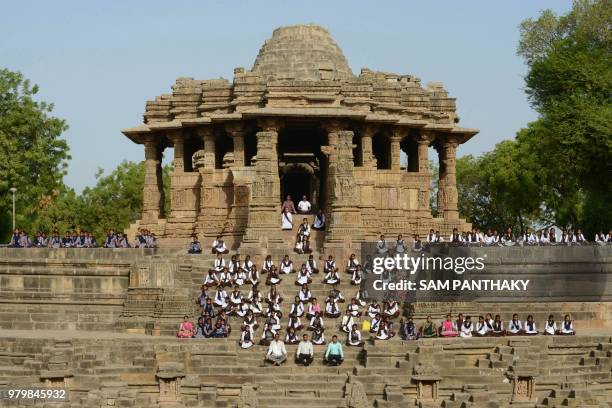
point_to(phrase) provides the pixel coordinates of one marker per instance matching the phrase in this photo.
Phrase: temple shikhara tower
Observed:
(300, 122)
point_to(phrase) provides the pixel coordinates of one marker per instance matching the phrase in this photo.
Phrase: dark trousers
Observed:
(334, 359)
(304, 359)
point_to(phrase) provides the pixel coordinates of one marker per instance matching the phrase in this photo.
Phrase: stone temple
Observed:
(300, 122)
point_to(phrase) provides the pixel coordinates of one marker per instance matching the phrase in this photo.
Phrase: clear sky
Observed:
(99, 62)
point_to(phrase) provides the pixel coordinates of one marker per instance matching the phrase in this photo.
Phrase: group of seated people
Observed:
(81, 239)
(302, 239)
(304, 354)
(485, 326)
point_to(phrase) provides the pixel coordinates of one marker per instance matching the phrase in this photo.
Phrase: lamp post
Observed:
(13, 190)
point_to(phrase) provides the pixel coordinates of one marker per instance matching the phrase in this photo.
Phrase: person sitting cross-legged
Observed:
(186, 329)
(304, 353)
(334, 354)
(195, 247)
(277, 353)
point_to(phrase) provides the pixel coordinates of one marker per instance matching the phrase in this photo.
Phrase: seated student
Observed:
(305, 295)
(55, 241)
(286, 220)
(247, 264)
(336, 294)
(218, 264)
(481, 328)
(600, 238)
(383, 332)
(225, 278)
(273, 277)
(329, 265)
(550, 328)
(274, 296)
(373, 310)
(295, 322)
(267, 265)
(208, 308)
(297, 307)
(201, 300)
(14, 242)
(186, 329)
(110, 241)
(305, 352)
(286, 265)
(455, 237)
(391, 309)
(199, 333)
(311, 265)
(408, 330)
(353, 308)
(331, 308)
(448, 327)
(467, 328)
(316, 322)
(357, 276)
(242, 309)
(235, 297)
(250, 320)
(431, 237)
(580, 239)
(489, 238)
(122, 241)
(361, 296)
(352, 264)
(381, 245)
(375, 323)
(220, 297)
(459, 321)
(211, 279)
(567, 327)
(90, 240)
(318, 337)
(304, 205)
(530, 326)
(347, 322)
(291, 337)
(514, 326)
(218, 246)
(334, 354)
(301, 245)
(246, 338)
(303, 276)
(304, 235)
(497, 327)
(274, 320)
(195, 247)
(267, 336)
(319, 221)
(241, 277)
(234, 265)
(400, 245)
(313, 308)
(508, 238)
(417, 245)
(428, 329)
(552, 236)
(253, 276)
(354, 337)
(277, 353)
(208, 328)
(79, 240)
(331, 277)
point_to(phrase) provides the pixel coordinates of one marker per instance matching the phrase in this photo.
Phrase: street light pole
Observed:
(13, 190)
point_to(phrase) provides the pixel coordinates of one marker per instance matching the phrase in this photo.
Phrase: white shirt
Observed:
(466, 331)
(533, 330)
(304, 347)
(514, 327)
(550, 329)
(277, 348)
(304, 206)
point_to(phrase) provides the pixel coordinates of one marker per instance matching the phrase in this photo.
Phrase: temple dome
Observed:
(301, 52)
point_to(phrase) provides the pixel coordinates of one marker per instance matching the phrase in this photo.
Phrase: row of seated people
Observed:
(82, 239)
(486, 326)
(304, 353)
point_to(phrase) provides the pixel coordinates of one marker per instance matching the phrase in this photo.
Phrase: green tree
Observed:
(569, 83)
(34, 157)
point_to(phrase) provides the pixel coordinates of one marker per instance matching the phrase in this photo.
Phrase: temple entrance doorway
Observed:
(302, 166)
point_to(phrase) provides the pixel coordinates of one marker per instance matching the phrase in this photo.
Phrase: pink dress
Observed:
(448, 330)
(186, 330)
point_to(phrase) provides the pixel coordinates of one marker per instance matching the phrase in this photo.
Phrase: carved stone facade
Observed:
(238, 145)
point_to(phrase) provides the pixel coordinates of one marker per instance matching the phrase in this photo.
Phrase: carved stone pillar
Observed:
(179, 150)
(153, 195)
(447, 190)
(205, 163)
(523, 385)
(368, 159)
(345, 227)
(424, 140)
(395, 138)
(169, 376)
(237, 133)
(263, 224)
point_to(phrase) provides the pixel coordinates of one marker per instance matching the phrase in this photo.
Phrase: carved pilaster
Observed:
(263, 225)
(447, 191)
(206, 167)
(345, 225)
(237, 133)
(367, 133)
(176, 136)
(153, 194)
(395, 140)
